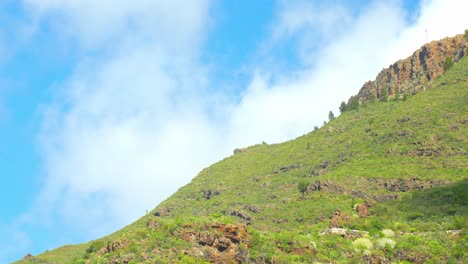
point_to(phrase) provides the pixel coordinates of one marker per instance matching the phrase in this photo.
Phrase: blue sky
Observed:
(106, 109)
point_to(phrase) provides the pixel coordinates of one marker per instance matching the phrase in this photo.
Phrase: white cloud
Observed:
(130, 126)
(438, 19)
(277, 111)
(133, 124)
(351, 54)
(100, 23)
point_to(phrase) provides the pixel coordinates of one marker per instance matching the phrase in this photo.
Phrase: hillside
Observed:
(384, 182)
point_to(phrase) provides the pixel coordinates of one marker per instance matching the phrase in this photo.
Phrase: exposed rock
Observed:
(338, 219)
(410, 75)
(385, 197)
(208, 194)
(404, 185)
(280, 221)
(343, 232)
(253, 208)
(286, 168)
(162, 212)
(362, 210)
(218, 243)
(375, 259)
(113, 246)
(153, 224)
(237, 213)
(325, 164)
(454, 232)
(28, 256)
(327, 187)
(240, 150)
(412, 257)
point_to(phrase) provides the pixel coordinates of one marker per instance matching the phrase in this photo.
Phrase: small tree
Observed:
(343, 107)
(384, 94)
(353, 104)
(302, 186)
(448, 63)
(331, 116)
(466, 33)
(398, 94)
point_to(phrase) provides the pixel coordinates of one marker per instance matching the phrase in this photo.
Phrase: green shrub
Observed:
(343, 107)
(95, 246)
(383, 94)
(302, 186)
(448, 63)
(362, 245)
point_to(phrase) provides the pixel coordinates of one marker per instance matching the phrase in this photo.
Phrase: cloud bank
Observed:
(138, 118)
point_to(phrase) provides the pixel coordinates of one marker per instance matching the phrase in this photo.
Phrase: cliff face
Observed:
(408, 76)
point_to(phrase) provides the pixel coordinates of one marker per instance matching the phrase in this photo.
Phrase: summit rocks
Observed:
(410, 75)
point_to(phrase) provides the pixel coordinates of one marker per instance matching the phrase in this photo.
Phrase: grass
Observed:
(354, 158)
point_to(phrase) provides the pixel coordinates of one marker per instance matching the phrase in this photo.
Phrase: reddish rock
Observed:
(411, 75)
(362, 210)
(338, 219)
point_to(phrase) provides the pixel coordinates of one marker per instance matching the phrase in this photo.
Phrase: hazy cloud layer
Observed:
(135, 123)
(129, 127)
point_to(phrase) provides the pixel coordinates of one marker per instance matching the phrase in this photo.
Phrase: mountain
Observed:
(385, 182)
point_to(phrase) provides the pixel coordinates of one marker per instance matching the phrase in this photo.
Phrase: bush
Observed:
(386, 242)
(95, 246)
(343, 107)
(362, 245)
(388, 233)
(302, 186)
(353, 104)
(383, 94)
(448, 63)
(331, 116)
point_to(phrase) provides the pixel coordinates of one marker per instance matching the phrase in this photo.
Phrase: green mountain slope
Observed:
(384, 183)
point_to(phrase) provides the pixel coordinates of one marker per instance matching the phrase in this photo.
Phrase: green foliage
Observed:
(302, 186)
(95, 246)
(466, 34)
(397, 95)
(343, 107)
(383, 94)
(353, 104)
(448, 63)
(331, 116)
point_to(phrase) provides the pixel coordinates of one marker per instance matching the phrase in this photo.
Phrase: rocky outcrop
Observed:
(344, 232)
(218, 243)
(162, 212)
(362, 210)
(404, 185)
(208, 194)
(286, 168)
(338, 219)
(326, 187)
(238, 213)
(113, 246)
(153, 224)
(253, 208)
(410, 75)
(28, 257)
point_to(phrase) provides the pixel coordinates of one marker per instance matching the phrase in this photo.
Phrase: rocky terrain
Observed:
(410, 75)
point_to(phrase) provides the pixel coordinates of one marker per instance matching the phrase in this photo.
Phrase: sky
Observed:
(108, 107)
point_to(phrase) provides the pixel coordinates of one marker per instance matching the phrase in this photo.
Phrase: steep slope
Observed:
(386, 182)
